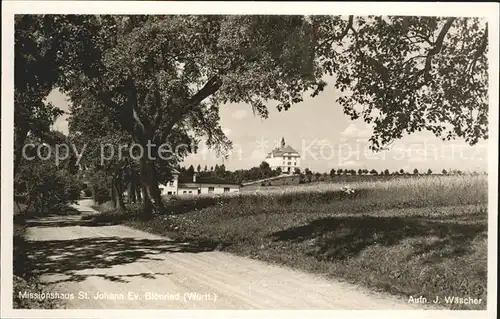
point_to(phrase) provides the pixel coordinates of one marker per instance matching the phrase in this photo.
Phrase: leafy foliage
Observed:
(407, 74)
(35, 74)
(45, 188)
(162, 79)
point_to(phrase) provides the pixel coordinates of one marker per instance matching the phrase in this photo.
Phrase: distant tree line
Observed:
(264, 171)
(219, 172)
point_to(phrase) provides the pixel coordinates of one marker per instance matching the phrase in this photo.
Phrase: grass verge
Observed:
(422, 237)
(24, 283)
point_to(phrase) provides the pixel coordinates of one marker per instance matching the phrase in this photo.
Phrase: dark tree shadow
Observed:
(68, 221)
(115, 278)
(339, 238)
(61, 212)
(179, 205)
(185, 205)
(70, 257)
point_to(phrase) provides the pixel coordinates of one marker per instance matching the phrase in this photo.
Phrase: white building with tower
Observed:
(284, 157)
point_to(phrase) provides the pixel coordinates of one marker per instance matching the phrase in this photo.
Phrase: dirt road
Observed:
(127, 268)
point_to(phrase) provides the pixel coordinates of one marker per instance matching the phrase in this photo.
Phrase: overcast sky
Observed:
(325, 138)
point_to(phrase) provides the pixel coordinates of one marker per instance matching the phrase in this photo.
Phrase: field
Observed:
(293, 180)
(421, 236)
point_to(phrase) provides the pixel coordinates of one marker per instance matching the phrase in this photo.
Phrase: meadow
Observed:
(421, 236)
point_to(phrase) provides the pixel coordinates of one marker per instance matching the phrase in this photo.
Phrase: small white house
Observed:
(197, 187)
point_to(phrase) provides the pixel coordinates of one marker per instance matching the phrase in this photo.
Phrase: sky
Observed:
(325, 138)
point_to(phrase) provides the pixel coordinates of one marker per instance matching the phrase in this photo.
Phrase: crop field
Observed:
(422, 236)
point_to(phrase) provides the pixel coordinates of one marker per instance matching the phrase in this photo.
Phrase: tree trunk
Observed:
(113, 192)
(20, 137)
(130, 191)
(120, 192)
(133, 190)
(138, 193)
(94, 195)
(150, 185)
(42, 204)
(116, 200)
(147, 206)
(117, 190)
(142, 132)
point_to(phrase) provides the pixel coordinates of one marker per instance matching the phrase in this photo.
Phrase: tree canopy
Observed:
(162, 78)
(408, 74)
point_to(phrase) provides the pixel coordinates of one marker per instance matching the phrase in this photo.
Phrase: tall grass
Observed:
(426, 188)
(410, 236)
(415, 192)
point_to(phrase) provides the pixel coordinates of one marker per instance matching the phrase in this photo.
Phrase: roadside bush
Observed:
(100, 185)
(20, 258)
(23, 279)
(87, 192)
(101, 195)
(20, 285)
(45, 187)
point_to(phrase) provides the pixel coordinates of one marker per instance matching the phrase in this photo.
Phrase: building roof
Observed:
(199, 180)
(197, 185)
(188, 185)
(282, 150)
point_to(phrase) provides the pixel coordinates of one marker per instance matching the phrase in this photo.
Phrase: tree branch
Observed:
(379, 67)
(212, 85)
(480, 50)
(419, 36)
(105, 98)
(340, 36)
(413, 58)
(438, 44)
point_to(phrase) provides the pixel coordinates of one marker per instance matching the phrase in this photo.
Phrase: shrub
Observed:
(45, 187)
(20, 259)
(87, 192)
(100, 185)
(23, 279)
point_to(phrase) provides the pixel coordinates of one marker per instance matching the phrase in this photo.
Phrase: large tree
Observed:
(106, 148)
(407, 74)
(159, 74)
(35, 74)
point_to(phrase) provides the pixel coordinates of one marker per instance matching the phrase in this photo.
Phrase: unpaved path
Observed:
(127, 265)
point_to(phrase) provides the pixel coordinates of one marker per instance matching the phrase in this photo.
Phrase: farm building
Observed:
(194, 186)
